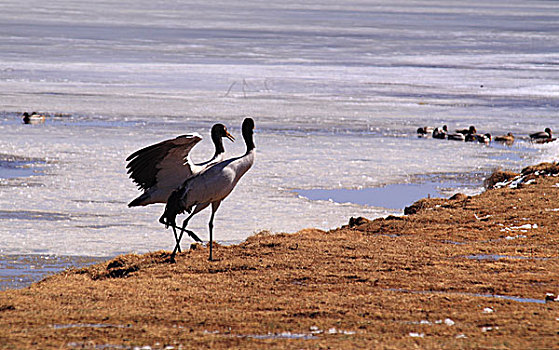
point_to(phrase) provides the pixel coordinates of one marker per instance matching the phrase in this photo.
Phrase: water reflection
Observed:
(394, 196)
(19, 271)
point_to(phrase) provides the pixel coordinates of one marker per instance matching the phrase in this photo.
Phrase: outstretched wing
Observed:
(165, 163)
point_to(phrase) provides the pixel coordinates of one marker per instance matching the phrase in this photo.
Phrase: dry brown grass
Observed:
(383, 284)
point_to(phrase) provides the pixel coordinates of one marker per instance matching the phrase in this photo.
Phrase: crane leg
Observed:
(211, 226)
(190, 233)
(177, 238)
(170, 221)
(183, 230)
(196, 210)
(215, 206)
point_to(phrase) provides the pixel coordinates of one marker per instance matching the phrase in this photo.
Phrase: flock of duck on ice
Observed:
(471, 135)
(467, 135)
(166, 174)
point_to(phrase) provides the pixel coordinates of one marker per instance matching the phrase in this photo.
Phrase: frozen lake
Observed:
(337, 91)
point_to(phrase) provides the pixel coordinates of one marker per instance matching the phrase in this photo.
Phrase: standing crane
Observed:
(211, 186)
(161, 168)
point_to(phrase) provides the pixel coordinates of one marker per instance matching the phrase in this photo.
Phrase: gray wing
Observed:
(163, 164)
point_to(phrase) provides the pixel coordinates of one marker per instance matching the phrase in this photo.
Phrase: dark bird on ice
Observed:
(425, 131)
(470, 130)
(542, 136)
(440, 133)
(507, 139)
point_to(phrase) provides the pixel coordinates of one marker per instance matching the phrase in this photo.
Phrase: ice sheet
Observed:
(337, 92)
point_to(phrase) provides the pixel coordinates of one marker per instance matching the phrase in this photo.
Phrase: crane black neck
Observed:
(218, 142)
(248, 131)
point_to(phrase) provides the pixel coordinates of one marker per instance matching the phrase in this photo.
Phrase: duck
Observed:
(483, 138)
(440, 133)
(33, 118)
(507, 139)
(470, 130)
(542, 136)
(470, 137)
(425, 131)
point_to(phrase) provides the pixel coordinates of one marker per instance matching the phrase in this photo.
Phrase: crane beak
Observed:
(229, 136)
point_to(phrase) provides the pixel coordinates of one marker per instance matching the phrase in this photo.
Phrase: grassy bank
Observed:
(465, 272)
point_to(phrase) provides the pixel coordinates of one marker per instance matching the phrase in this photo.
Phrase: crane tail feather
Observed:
(174, 207)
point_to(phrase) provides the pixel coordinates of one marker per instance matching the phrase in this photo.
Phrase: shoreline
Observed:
(11, 274)
(464, 272)
(21, 270)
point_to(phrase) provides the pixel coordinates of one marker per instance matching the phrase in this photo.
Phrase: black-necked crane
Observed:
(211, 186)
(161, 168)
